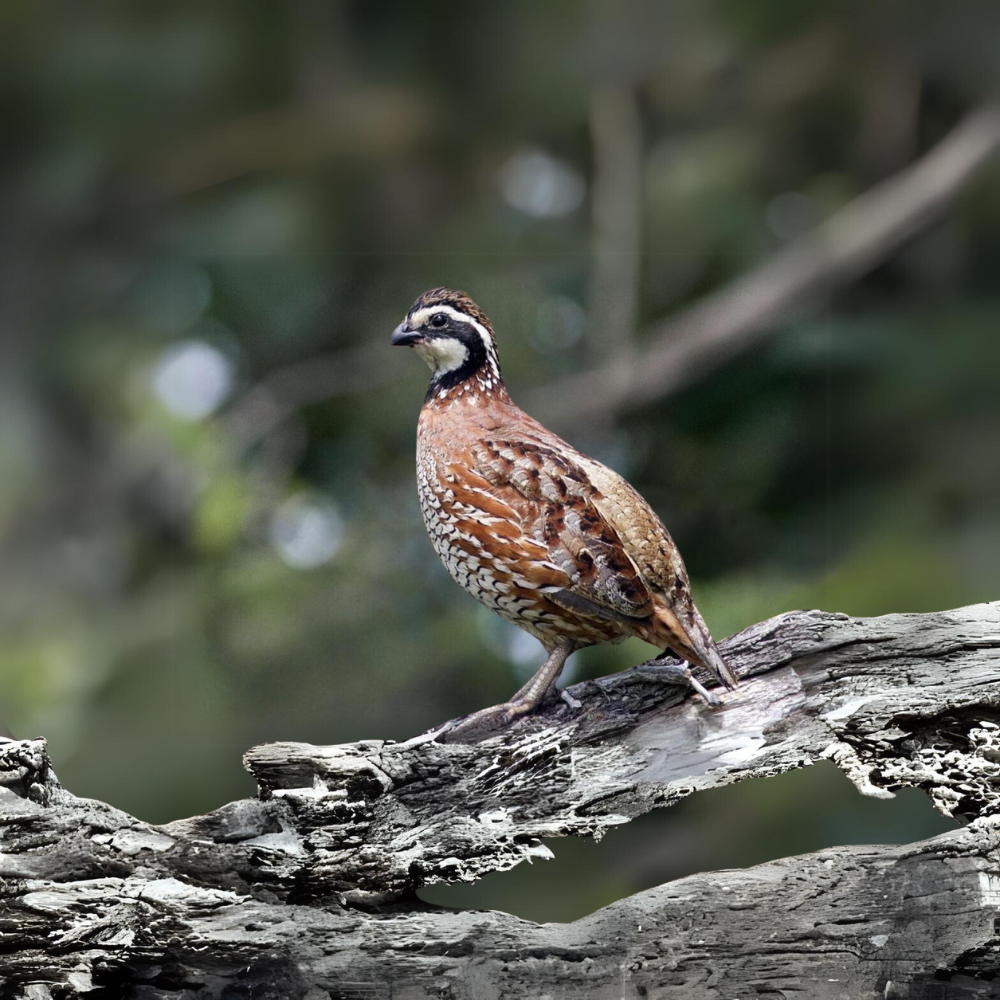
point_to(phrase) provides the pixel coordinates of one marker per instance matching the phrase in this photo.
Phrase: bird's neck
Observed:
(478, 387)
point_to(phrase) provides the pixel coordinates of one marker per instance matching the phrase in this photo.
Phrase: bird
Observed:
(548, 538)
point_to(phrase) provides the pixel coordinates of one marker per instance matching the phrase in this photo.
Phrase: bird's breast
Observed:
(488, 545)
(466, 536)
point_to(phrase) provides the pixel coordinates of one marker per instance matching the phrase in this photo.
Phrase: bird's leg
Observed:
(533, 693)
(488, 721)
(681, 675)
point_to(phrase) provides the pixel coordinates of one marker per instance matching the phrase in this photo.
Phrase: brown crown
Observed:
(457, 300)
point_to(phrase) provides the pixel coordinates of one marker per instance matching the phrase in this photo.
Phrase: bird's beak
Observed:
(403, 336)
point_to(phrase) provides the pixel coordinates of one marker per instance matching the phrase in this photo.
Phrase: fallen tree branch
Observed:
(307, 890)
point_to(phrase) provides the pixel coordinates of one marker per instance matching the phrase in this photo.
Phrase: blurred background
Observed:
(214, 214)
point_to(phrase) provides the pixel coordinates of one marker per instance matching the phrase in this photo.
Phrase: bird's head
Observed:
(454, 337)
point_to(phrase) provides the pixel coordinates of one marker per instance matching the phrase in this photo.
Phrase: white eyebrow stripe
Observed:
(421, 315)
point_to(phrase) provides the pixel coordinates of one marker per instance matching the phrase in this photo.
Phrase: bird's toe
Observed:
(485, 723)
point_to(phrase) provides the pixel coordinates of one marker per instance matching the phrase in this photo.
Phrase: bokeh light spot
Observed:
(538, 184)
(306, 530)
(561, 323)
(193, 379)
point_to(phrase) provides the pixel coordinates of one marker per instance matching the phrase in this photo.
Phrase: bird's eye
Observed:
(439, 320)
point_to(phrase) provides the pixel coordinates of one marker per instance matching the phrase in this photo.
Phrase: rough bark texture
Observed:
(307, 891)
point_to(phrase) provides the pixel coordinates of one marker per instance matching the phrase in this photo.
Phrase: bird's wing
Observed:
(649, 544)
(555, 501)
(615, 550)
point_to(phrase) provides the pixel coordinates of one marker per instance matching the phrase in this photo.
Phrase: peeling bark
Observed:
(308, 890)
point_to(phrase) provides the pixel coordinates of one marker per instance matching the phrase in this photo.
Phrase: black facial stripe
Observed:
(476, 355)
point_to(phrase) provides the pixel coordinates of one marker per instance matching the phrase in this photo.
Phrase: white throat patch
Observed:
(443, 354)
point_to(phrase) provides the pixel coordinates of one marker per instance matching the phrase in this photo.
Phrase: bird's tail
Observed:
(710, 654)
(691, 639)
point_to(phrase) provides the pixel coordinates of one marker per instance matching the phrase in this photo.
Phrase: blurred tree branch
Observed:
(844, 247)
(682, 348)
(310, 886)
(616, 212)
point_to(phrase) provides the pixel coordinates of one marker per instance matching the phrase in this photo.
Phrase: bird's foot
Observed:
(680, 674)
(485, 723)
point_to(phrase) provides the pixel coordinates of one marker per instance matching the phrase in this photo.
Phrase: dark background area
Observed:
(214, 214)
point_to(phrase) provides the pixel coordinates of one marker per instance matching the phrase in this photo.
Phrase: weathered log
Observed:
(308, 890)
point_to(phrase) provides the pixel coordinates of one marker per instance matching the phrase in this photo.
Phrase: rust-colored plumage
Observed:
(550, 539)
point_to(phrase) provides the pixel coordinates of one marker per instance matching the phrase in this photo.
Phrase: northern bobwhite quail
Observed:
(549, 539)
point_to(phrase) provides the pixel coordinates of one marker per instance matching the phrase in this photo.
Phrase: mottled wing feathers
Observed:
(619, 559)
(557, 510)
(582, 544)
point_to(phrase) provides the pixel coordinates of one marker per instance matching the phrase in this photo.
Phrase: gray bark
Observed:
(308, 889)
